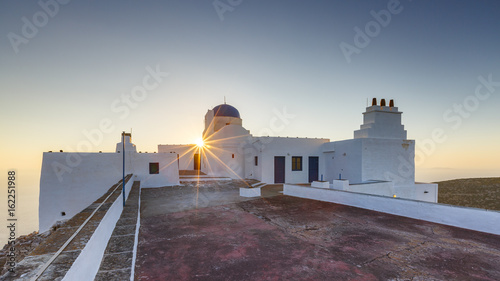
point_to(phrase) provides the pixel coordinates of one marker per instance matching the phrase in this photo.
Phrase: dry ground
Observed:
(481, 193)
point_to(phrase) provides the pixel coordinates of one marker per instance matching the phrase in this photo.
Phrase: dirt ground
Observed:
(481, 193)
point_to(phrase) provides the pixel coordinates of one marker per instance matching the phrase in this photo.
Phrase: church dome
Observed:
(225, 110)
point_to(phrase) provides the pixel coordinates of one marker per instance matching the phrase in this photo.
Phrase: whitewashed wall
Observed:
(422, 192)
(79, 183)
(469, 218)
(70, 182)
(229, 141)
(346, 161)
(289, 147)
(388, 159)
(365, 159)
(185, 151)
(225, 152)
(221, 163)
(87, 264)
(169, 171)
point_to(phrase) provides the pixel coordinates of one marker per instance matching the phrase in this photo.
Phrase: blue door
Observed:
(279, 169)
(313, 168)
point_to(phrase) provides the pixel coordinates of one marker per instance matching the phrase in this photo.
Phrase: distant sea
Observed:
(26, 209)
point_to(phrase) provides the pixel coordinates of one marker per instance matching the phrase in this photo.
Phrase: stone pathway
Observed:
(118, 257)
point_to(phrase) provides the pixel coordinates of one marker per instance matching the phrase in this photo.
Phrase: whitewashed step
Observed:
(203, 178)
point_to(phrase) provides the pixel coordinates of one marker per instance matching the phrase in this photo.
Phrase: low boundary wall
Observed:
(463, 217)
(87, 264)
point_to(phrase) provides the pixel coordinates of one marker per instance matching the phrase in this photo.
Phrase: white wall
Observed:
(219, 122)
(385, 188)
(88, 262)
(388, 160)
(289, 147)
(469, 218)
(422, 192)
(169, 171)
(70, 182)
(347, 161)
(185, 151)
(219, 160)
(367, 159)
(327, 160)
(79, 184)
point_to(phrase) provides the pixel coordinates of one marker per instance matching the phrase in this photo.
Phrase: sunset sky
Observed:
(66, 67)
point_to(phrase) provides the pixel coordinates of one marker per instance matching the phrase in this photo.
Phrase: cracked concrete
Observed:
(285, 238)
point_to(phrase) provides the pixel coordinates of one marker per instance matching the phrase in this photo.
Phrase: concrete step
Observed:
(190, 173)
(198, 176)
(203, 178)
(259, 184)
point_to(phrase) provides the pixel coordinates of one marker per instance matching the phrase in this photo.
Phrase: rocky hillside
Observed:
(481, 193)
(24, 245)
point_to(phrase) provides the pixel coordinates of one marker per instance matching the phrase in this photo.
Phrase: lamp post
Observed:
(123, 179)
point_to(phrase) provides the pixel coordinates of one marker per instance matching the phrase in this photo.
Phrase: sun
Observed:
(200, 143)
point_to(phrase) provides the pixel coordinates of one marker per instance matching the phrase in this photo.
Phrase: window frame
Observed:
(297, 163)
(154, 166)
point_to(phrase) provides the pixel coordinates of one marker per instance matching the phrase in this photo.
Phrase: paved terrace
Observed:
(208, 232)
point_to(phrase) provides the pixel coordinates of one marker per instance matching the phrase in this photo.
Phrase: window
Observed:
(296, 163)
(256, 160)
(154, 168)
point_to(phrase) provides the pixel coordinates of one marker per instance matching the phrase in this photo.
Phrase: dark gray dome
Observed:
(225, 110)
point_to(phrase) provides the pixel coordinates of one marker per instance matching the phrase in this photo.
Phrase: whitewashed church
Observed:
(378, 160)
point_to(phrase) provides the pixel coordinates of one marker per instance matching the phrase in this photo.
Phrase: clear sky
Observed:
(65, 67)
